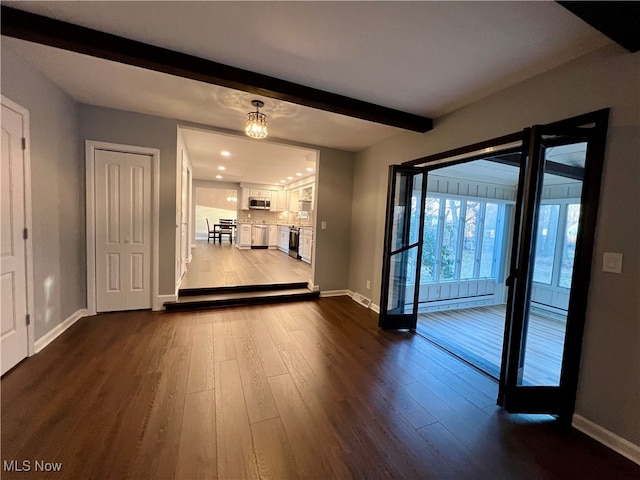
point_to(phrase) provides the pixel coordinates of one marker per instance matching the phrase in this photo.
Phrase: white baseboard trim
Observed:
(336, 293)
(312, 287)
(58, 330)
(158, 303)
(374, 307)
(614, 442)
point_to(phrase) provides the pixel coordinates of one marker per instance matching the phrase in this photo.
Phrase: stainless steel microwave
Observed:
(257, 203)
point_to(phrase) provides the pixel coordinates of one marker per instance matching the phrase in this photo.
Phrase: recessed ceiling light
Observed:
(289, 178)
(309, 169)
(298, 174)
(221, 168)
(224, 153)
(283, 181)
(218, 177)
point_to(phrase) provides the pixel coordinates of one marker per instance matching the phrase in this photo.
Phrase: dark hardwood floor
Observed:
(299, 390)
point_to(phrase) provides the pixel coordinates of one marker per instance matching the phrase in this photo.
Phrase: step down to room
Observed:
(242, 295)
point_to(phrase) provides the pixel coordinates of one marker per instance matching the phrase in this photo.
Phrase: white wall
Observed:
(609, 382)
(212, 204)
(57, 185)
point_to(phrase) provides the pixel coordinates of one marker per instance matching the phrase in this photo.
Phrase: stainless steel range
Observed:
(294, 242)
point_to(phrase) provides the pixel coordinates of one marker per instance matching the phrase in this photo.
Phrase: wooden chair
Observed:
(226, 228)
(211, 233)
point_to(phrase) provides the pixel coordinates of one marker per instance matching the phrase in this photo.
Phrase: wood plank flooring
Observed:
(301, 390)
(476, 334)
(222, 265)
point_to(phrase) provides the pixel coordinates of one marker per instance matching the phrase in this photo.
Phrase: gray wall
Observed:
(334, 189)
(127, 128)
(609, 384)
(57, 185)
(334, 195)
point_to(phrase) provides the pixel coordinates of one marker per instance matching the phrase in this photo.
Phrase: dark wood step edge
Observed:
(239, 302)
(261, 287)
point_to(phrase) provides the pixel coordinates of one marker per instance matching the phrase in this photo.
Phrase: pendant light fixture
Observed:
(256, 122)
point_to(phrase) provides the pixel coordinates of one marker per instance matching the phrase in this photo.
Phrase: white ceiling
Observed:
(250, 161)
(427, 58)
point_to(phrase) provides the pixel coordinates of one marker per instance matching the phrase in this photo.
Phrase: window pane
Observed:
(450, 240)
(430, 246)
(489, 240)
(569, 245)
(546, 243)
(416, 201)
(470, 240)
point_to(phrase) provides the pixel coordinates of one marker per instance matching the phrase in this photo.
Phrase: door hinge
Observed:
(24, 143)
(25, 233)
(28, 319)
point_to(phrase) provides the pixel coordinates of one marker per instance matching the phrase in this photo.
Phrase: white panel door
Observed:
(13, 278)
(123, 231)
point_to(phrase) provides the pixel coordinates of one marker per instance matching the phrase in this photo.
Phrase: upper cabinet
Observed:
(279, 201)
(305, 201)
(260, 193)
(297, 197)
(294, 196)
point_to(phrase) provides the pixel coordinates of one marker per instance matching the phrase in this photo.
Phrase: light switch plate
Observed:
(323, 225)
(612, 262)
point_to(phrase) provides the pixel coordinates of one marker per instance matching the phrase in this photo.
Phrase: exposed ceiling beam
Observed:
(55, 33)
(617, 20)
(554, 168)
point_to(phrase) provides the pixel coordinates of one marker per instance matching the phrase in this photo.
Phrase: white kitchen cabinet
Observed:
(279, 201)
(273, 236)
(306, 244)
(305, 200)
(283, 238)
(260, 193)
(243, 238)
(244, 198)
(294, 196)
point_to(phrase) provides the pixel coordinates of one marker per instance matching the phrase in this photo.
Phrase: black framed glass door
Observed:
(552, 243)
(403, 247)
(551, 265)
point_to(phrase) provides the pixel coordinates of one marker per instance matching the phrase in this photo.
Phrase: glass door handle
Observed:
(511, 278)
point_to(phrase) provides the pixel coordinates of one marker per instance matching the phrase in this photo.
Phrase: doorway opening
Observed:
(488, 253)
(248, 198)
(468, 237)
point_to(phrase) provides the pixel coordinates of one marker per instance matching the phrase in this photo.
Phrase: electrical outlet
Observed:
(323, 225)
(368, 284)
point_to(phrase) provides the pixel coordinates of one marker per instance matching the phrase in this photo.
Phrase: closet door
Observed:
(123, 230)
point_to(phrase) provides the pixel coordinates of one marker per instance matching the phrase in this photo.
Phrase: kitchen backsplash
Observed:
(267, 217)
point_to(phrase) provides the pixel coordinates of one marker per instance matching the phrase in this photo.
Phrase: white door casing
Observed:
(184, 219)
(16, 279)
(122, 227)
